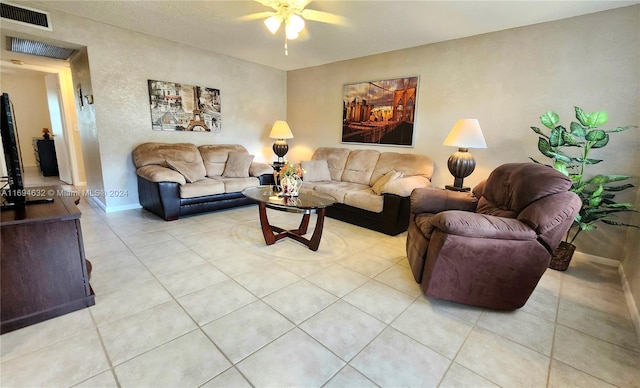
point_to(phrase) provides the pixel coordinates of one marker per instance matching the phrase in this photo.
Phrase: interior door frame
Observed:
(67, 115)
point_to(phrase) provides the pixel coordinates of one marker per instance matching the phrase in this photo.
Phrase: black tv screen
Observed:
(13, 187)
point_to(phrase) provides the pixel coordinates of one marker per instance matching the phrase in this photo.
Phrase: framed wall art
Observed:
(380, 112)
(181, 107)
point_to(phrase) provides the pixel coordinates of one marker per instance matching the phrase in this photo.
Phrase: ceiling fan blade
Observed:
(324, 17)
(269, 3)
(256, 16)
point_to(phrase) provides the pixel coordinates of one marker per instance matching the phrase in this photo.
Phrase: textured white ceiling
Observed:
(371, 26)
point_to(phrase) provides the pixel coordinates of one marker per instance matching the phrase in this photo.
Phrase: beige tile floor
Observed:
(203, 302)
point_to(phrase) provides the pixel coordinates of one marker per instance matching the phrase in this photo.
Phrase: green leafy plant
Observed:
(570, 149)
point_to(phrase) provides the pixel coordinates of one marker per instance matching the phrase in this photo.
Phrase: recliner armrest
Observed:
(432, 200)
(463, 223)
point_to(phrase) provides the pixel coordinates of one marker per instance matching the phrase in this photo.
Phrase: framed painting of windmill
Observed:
(182, 107)
(380, 112)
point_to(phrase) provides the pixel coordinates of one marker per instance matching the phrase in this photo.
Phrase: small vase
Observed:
(290, 185)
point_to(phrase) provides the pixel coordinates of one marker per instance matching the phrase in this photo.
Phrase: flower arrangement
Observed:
(291, 170)
(290, 180)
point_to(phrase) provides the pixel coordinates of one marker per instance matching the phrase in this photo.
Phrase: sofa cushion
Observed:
(336, 159)
(238, 165)
(192, 172)
(201, 188)
(315, 170)
(407, 164)
(381, 183)
(157, 153)
(214, 156)
(359, 167)
(233, 185)
(338, 190)
(364, 199)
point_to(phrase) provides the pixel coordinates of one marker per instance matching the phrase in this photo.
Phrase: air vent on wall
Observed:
(25, 16)
(32, 47)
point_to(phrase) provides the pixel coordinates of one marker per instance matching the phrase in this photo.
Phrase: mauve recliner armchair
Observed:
(490, 247)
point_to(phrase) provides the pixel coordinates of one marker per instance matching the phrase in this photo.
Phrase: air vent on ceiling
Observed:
(25, 16)
(32, 47)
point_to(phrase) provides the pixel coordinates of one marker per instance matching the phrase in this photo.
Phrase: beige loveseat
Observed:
(371, 188)
(180, 179)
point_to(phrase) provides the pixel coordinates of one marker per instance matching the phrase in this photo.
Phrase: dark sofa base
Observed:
(163, 199)
(393, 220)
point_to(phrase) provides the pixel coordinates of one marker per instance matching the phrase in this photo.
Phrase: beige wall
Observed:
(120, 64)
(506, 80)
(28, 94)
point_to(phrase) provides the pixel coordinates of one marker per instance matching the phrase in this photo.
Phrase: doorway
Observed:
(55, 97)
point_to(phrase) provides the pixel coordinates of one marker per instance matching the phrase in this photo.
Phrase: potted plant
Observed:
(570, 150)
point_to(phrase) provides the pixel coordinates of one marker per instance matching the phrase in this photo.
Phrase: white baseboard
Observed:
(631, 303)
(99, 203)
(112, 209)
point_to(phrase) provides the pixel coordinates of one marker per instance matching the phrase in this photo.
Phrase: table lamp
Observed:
(466, 133)
(280, 131)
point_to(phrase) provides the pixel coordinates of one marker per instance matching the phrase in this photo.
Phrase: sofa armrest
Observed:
(432, 200)
(258, 168)
(156, 173)
(404, 186)
(468, 224)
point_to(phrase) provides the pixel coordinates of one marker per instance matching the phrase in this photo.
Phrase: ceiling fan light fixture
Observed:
(296, 23)
(290, 32)
(273, 23)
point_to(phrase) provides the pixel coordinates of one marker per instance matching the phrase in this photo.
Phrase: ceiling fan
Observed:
(293, 14)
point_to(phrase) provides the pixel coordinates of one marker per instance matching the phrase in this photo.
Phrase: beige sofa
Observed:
(181, 179)
(371, 188)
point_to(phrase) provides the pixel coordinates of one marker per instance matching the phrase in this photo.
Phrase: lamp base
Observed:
(453, 188)
(280, 148)
(461, 164)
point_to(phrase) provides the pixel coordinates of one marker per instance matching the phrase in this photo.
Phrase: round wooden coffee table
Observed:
(305, 203)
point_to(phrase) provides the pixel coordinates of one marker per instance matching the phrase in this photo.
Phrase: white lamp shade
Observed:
(280, 130)
(466, 133)
(296, 22)
(290, 32)
(273, 23)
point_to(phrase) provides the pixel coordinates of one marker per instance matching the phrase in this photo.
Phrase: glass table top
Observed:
(267, 195)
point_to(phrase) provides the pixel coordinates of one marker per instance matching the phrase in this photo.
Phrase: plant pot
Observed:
(561, 257)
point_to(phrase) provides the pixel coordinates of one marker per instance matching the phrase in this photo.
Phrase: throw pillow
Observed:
(237, 165)
(192, 172)
(392, 175)
(315, 171)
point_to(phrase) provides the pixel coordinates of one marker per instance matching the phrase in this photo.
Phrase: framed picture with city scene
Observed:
(181, 107)
(380, 112)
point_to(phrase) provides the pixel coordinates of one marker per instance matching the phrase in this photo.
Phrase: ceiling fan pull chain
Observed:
(286, 46)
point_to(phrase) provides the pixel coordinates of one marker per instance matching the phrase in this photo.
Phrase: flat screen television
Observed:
(13, 192)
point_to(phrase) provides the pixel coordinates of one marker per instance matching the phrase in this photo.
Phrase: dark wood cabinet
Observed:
(46, 156)
(42, 265)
